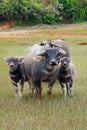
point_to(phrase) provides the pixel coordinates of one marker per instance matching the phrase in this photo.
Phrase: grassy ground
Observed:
(53, 114)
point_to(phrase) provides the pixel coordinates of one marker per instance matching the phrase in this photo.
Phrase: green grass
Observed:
(53, 114)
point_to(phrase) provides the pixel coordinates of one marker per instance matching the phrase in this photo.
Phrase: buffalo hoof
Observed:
(39, 95)
(49, 94)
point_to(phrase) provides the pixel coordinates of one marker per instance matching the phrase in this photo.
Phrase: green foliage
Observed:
(36, 12)
(52, 15)
(10, 9)
(30, 12)
(39, 13)
(74, 11)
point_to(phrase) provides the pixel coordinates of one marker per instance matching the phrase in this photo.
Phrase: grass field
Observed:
(53, 114)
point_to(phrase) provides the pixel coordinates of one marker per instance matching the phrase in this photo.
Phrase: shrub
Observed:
(27, 12)
(74, 11)
(13, 9)
(39, 13)
(36, 11)
(52, 14)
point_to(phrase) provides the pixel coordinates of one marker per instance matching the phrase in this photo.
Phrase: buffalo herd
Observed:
(48, 61)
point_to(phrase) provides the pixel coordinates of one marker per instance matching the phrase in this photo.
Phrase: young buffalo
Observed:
(16, 73)
(66, 75)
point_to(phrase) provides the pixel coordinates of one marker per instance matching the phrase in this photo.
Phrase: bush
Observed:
(27, 12)
(4, 8)
(36, 12)
(13, 9)
(52, 14)
(74, 11)
(39, 13)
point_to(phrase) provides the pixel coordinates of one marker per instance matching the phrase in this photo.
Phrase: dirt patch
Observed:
(13, 34)
(82, 43)
(23, 44)
(7, 25)
(42, 30)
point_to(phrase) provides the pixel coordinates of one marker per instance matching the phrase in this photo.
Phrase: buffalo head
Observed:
(65, 62)
(13, 62)
(51, 57)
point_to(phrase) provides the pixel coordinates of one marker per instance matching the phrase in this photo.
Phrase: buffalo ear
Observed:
(70, 60)
(20, 59)
(6, 59)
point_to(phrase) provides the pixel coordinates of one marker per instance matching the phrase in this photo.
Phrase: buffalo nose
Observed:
(11, 65)
(53, 62)
(65, 63)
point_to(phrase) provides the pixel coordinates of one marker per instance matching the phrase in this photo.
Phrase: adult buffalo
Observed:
(42, 67)
(57, 43)
(61, 44)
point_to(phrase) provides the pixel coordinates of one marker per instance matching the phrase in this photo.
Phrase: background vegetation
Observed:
(28, 12)
(53, 114)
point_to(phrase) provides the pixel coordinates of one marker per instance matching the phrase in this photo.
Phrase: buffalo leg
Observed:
(15, 87)
(31, 88)
(70, 91)
(64, 89)
(21, 90)
(38, 88)
(16, 90)
(49, 91)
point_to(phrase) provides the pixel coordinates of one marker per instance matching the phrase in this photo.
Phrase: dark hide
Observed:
(43, 70)
(16, 73)
(65, 76)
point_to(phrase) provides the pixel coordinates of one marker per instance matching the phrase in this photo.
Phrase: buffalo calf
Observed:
(66, 75)
(16, 73)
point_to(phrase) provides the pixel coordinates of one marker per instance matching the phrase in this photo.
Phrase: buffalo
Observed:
(58, 43)
(16, 73)
(41, 65)
(66, 74)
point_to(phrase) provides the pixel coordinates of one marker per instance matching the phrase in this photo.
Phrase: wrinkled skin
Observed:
(42, 68)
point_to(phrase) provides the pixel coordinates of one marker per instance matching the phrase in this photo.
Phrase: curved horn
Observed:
(40, 56)
(5, 59)
(62, 51)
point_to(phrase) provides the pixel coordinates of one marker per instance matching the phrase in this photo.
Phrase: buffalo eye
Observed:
(16, 60)
(58, 54)
(47, 55)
